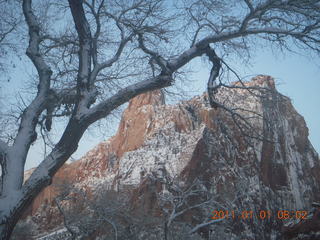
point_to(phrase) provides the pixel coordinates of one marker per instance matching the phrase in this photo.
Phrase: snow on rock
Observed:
(257, 156)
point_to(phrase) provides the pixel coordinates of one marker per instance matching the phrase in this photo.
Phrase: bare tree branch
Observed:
(104, 108)
(204, 224)
(26, 134)
(3, 147)
(85, 55)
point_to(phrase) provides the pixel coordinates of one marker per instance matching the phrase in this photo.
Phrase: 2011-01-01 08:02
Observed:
(262, 214)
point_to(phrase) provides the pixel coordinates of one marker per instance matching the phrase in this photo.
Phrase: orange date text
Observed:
(261, 214)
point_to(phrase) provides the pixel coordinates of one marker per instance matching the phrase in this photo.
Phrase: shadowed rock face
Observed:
(270, 165)
(308, 229)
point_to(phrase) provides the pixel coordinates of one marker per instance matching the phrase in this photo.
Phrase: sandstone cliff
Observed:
(253, 155)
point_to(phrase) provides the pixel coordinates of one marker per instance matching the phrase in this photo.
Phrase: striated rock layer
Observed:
(254, 155)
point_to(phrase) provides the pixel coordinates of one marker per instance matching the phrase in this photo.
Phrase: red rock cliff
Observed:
(256, 151)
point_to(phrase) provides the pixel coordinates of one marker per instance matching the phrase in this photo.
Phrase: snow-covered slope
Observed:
(254, 155)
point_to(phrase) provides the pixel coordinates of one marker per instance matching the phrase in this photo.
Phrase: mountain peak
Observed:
(155, 98)
(265, 81)
(157, 143)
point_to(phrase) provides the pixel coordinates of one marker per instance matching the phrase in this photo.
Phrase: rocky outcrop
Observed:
(253, 155)
(305, 229)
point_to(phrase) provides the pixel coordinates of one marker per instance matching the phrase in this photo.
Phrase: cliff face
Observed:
(254, 155)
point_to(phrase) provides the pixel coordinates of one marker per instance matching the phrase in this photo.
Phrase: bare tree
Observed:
(177, 201)
(10, 20)
(102, 213)
(115, 50)
(83, 215)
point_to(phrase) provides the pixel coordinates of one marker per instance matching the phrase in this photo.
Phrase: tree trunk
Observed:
(10, 217)
(165, 230)
(40, 178)
(7, 227)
